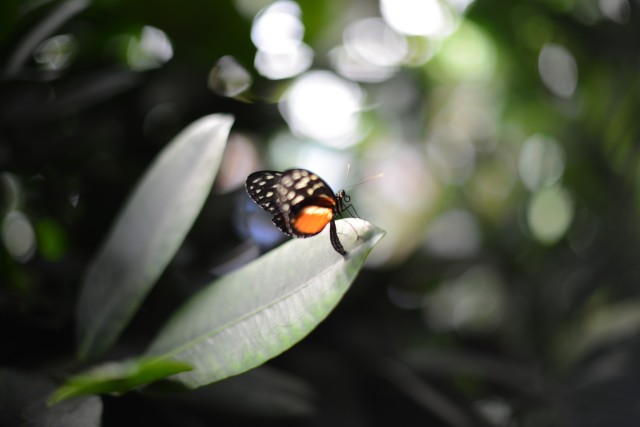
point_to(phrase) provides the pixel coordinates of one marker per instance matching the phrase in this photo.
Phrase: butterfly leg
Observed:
(335, 242)
(350, 209)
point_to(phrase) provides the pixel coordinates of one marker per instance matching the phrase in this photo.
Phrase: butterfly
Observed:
(302, 204)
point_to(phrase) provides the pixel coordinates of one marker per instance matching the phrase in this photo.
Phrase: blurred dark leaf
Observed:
(23, 402)
(261, 392)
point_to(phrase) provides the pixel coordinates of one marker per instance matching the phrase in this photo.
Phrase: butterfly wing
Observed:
(261, 187)
(306, 202)
(280, 222)
(301, 202)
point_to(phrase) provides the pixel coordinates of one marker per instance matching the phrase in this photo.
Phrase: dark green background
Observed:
(80, 131)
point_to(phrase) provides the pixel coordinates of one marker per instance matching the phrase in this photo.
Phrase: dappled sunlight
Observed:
(151, 49)
(278, 28)
(277, 32)
(18, 236)
(541, 162)
(371, 51)
(281, 65)
(550, 209)
(468, 55)
(549, 214)
(558, 70)
(461, 5)
(616, 10)
(374, 42)
(418, 17)
(323, 106)
(228, 77)
(357, 69)
(249, 8)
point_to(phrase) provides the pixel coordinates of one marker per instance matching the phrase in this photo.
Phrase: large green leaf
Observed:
(148, 232)
(251, 315)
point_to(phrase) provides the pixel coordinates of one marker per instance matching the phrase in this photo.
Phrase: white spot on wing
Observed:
(301, 184)
(287, 181)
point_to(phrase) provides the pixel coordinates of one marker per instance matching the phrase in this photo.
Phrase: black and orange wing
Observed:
(306, 201)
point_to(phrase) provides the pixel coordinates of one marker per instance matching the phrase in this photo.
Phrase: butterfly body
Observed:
(301, 203)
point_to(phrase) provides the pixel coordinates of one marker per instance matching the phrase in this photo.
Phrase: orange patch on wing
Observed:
(312, 219)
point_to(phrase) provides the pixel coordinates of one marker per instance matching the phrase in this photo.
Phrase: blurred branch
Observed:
(423, 394)
(522, 378)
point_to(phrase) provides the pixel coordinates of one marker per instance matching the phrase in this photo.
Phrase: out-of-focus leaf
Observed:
(148, 232)
(425, 395)
(23, 403)
(250, 316)
(602, 326)
(261, 392)
(117, 377)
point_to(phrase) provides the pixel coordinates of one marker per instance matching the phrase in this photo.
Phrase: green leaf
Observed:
(148, 232)
(603, 324)
(253, 314)
(117, 377)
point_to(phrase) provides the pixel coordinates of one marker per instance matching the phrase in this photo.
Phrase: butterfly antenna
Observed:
(346, 179)
(371, 178)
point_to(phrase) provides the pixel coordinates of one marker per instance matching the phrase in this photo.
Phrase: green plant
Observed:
(233, 324)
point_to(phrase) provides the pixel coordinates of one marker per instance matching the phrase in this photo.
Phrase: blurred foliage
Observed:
(506, 290)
